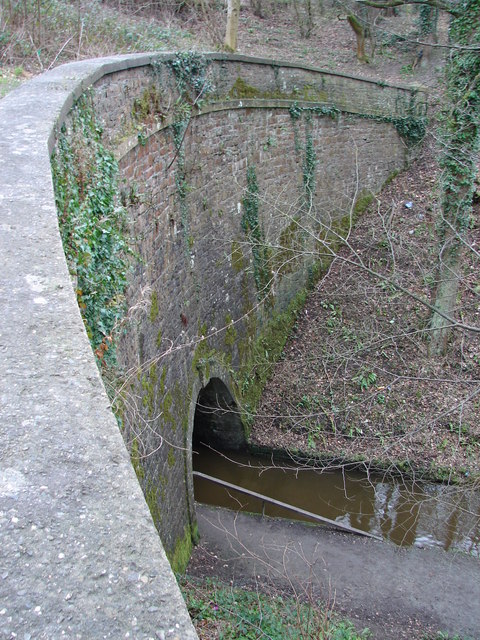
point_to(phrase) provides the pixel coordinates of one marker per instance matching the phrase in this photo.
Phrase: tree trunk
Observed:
(446, 296)
(428, 23)
(459, 137)
(304, 15)
(359, 31)
(233, 14)
(257, 8)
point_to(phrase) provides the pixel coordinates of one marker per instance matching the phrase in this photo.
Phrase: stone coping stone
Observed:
(80, 556)
(235, 57)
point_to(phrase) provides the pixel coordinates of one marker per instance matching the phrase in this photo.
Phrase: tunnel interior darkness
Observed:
(217, 421)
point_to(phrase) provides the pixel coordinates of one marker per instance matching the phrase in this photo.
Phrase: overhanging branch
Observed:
(437, 4)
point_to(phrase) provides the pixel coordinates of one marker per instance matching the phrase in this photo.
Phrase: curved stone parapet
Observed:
(81, 557)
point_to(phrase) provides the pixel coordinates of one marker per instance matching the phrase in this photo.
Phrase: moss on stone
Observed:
(153, 307)
(241, 89)
(166, 407)
(163, 481)
(163, 377)
(195, 534)
(265, 349)
(203, 355)
(364, 199)
(284, 257)
(259, 350)
(308, 92)
(391, 177)
(151, 498)
(152, 373)
(182, 404)
(148, 398)
(148, 106)
(135, 459)
(171, 458)
(250, 322)
(238, 260)
(183, 548)
(200, 360)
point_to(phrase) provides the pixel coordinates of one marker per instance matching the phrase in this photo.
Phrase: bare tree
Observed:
(231, 35)
(459, 141)
(304, 14)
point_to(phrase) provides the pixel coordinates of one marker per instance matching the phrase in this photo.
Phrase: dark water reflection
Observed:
(422, 515)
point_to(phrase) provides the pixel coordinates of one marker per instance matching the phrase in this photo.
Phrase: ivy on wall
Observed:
(460, 118)
(190, 70)
(427, 20)
(253, 230)
(179, 128)
(309, 165)
(93, 226)
(411, 127)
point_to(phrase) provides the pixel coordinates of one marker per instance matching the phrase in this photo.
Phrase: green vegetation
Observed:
(296, 111)
(154, 492)
(238, 261)
(179, 128)
(261, 352)
(254, 232)
(94, 233)
(183, 548)
(285, 255)
(308, 93)
(365, 379)
(148, 106)
(148, 383)
(411, 127)
(309, 167)
(93, 226)
(153, 307)
(193, 85)
(203, 356)
(427, 20)
(363, 201)
(460, 142)
(240, 614)
(190, 70)
(135, 459)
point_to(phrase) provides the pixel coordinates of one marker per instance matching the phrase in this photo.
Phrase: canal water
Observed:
(421, 514)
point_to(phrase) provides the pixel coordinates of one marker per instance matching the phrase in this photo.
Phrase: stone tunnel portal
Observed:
(217, 421)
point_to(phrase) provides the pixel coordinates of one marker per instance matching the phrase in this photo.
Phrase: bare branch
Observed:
(437, 4)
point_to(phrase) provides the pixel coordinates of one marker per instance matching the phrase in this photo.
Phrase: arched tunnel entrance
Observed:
(217, 421)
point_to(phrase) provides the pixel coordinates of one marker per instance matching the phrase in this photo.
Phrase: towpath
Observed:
(398, 593)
